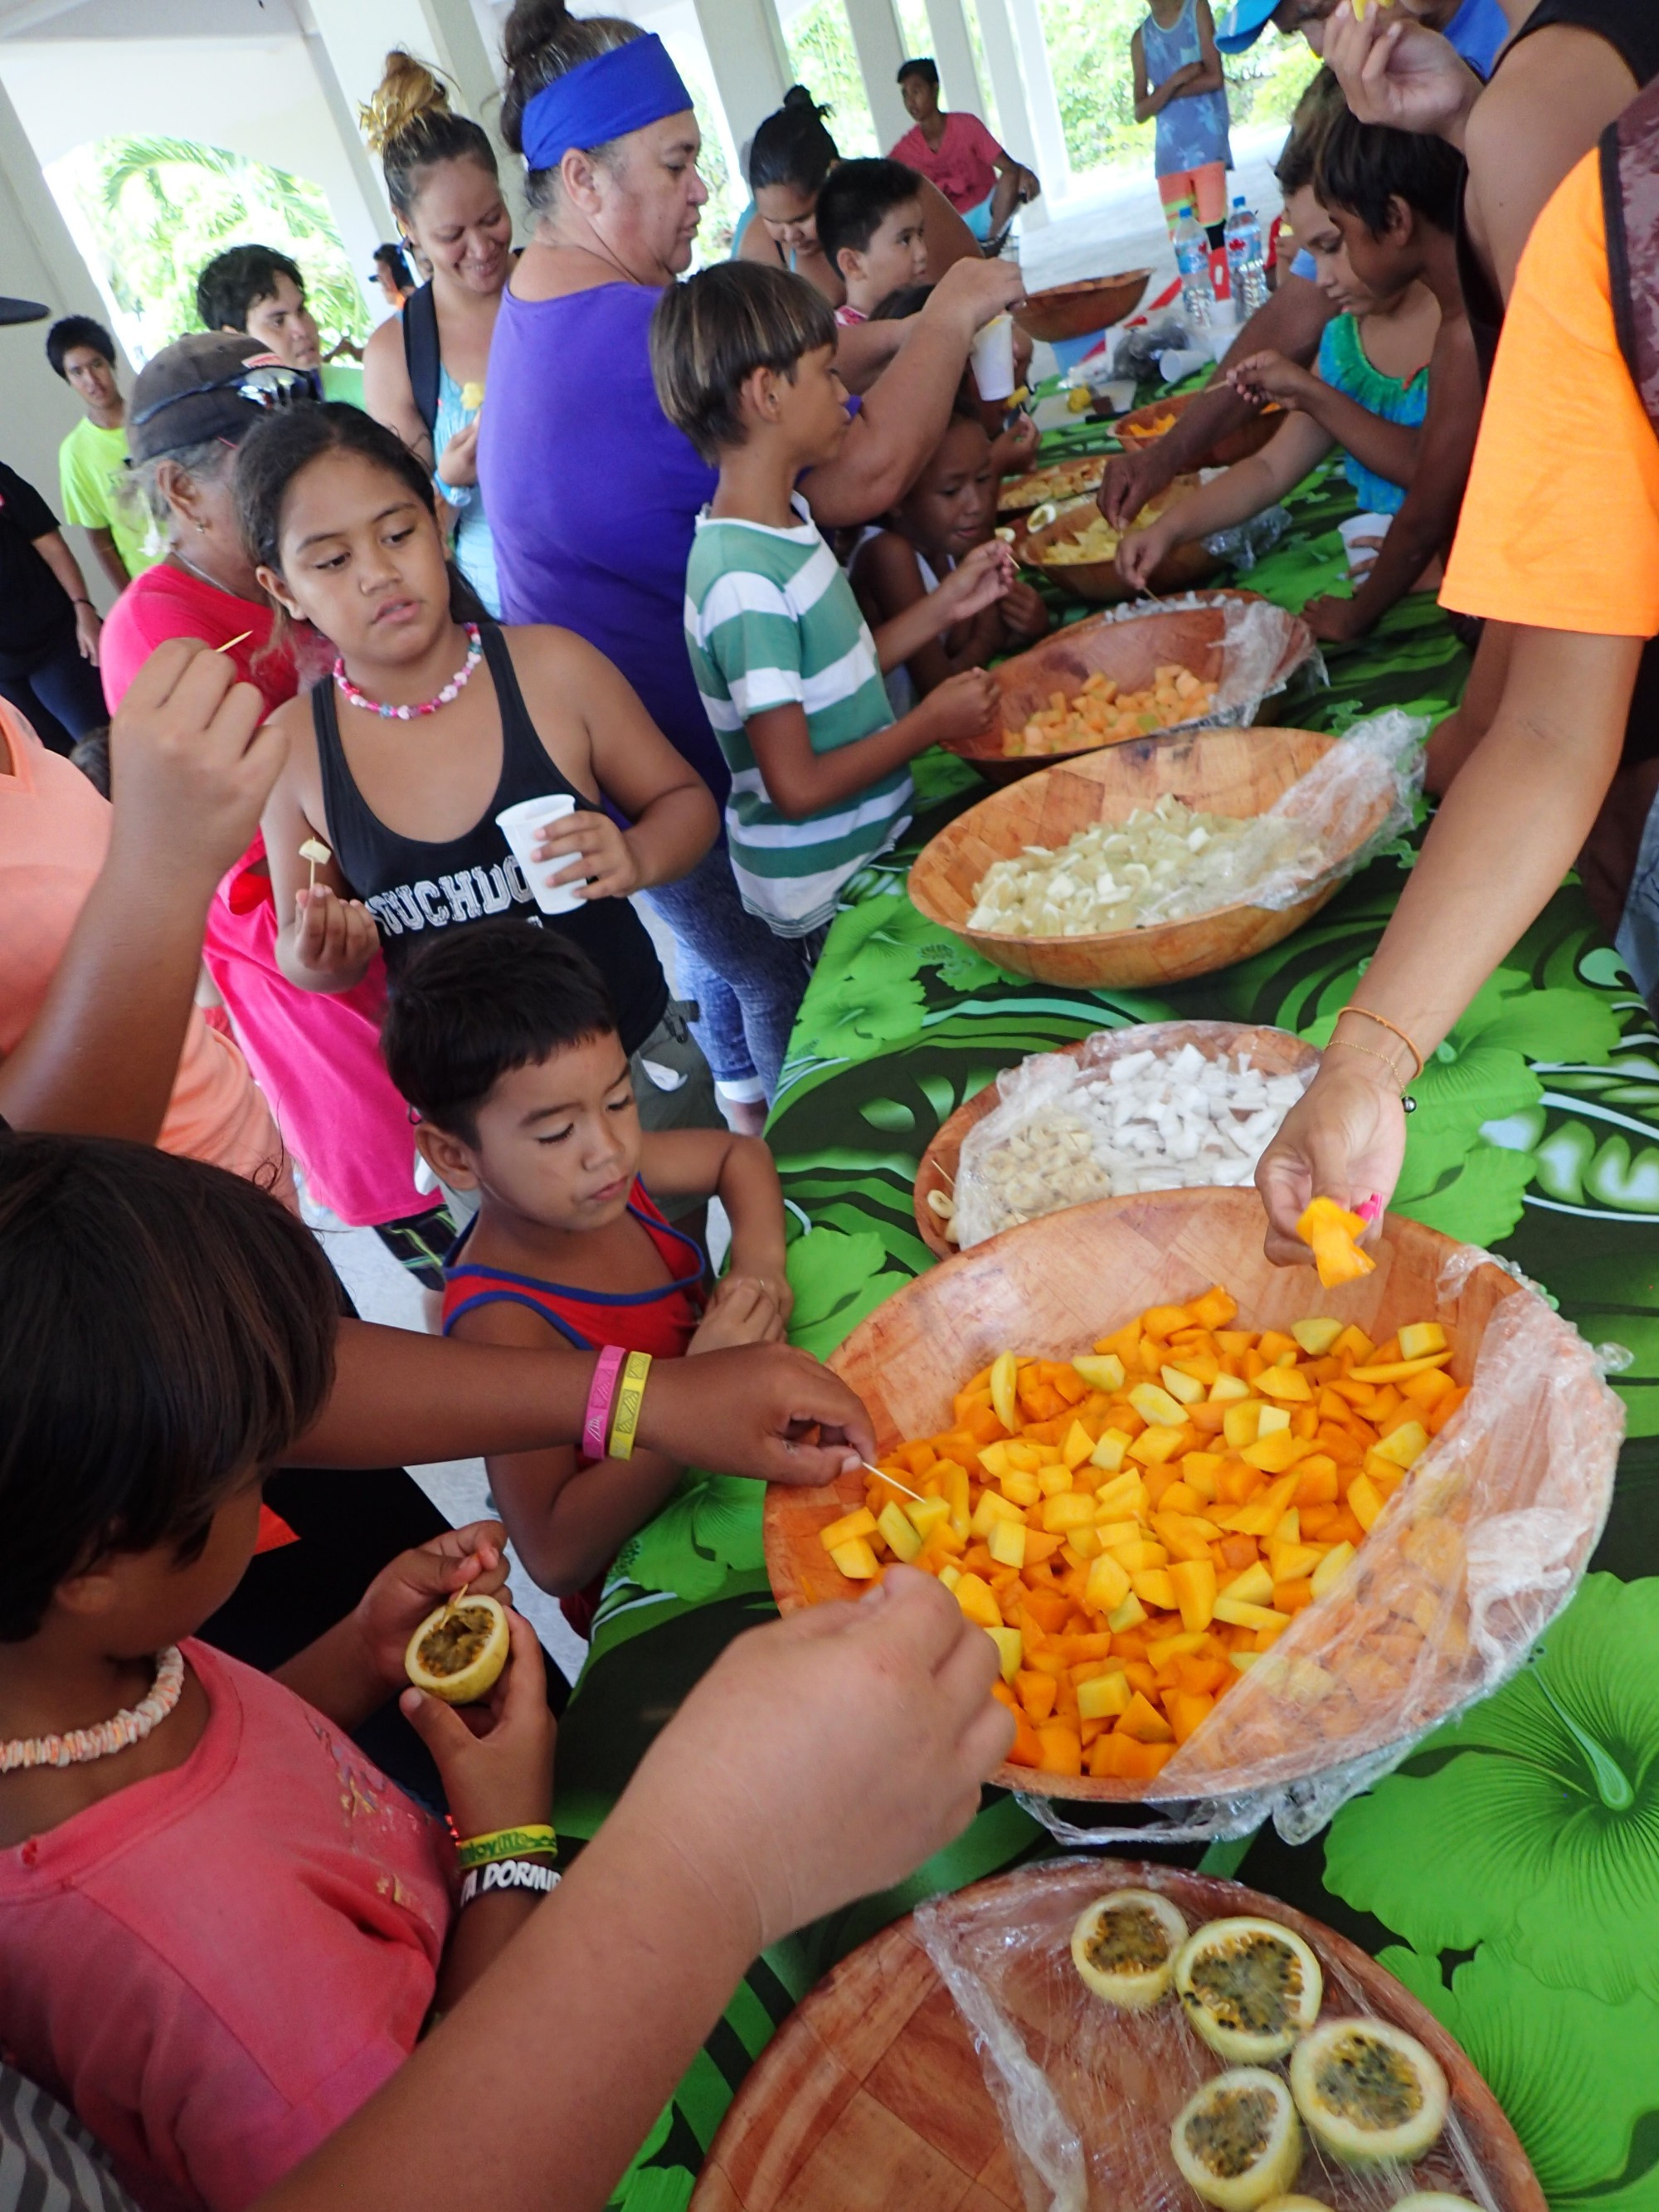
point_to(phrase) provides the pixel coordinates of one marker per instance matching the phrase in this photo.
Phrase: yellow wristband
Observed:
(630, 1396)
(506, 1844)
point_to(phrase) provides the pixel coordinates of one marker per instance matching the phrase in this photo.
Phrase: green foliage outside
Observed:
(825, 59)
(154, 209)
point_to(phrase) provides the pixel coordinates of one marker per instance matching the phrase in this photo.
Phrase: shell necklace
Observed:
(354, 697)
(127, 1728)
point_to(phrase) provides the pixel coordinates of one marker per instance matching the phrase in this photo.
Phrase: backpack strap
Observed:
(1630, 194)
(421, 352)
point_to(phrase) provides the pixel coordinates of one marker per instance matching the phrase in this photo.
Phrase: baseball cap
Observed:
(22, 311)
(214, 384)
(1246, 20)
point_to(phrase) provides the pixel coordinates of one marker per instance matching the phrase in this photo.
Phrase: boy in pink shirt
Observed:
(222, 1929)
(956, 153)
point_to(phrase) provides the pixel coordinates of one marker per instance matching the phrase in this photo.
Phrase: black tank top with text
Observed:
(414, 887)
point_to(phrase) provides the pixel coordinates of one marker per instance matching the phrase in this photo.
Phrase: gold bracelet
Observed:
(630, 1396)
(1383, 1023)
(1348, 1045)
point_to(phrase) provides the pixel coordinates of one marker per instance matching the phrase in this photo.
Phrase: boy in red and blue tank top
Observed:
(504, 1040)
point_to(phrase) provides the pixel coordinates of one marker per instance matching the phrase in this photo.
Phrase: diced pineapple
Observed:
(1331, 1568)
(1406, 1445)
(1155, 1407)
(1185, 1390)
(895, 1525)
(1226, 1388)
(1101, 1370)
(1124, 1493)
(1108, 1452)
(1238, 1614)
(1241, 1422)
(1316, 1335)
(1129, 1614)
(995, 1459)
(1420, 1338)
(1005, 1382)
(1254, 1587)
(925, 1514)
(1154, 1446)
(1194, 1584)
(1010, 1650)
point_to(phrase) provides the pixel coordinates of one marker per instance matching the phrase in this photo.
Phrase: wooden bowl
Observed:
(1068, 311)
(1275, 1052)
(871, 2094)
(1137, 429)
(1051, 1288)
(1102, 581)
(1231, 772)
(1061, 480)
(1131, 652)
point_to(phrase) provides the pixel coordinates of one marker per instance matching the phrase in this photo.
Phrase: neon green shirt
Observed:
(342, 380)
(99, 493)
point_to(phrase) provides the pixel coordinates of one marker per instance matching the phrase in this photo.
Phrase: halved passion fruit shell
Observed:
(1238, 2141)
(458, 1652)
(1125, 1945)
(1249, 1987)
(1368, 2090)
(1311, 2204)
(1434, 2200)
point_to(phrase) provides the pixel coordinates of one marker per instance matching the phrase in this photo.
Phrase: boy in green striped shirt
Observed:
(790, 674)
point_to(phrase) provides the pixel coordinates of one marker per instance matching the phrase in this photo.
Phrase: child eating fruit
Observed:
(949, 510)
(220, 1928)
(1396, 386)
(505, 1042)
(744, 362)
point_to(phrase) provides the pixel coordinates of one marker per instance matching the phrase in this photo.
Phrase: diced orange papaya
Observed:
(1060, 1749)
(1292, 1596)
(1187, 1709)
(1144, 1720)
(1037, 1691)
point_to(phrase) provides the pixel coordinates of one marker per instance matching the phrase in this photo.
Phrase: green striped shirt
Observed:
(771, 621)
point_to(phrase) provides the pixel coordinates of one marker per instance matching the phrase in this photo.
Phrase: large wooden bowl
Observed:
(1061, 480)
(1275, 1052)
(1102, 582)
(1068, 311)
(869, 2098)
(1139, 428)
(1052, 1287)
(1233, 772)
(1129, 651)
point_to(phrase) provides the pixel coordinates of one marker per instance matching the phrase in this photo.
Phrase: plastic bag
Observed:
(1255, 639)
(1472, 1557)
(1246, 543)
(1087, 2093)
(1137, 1109)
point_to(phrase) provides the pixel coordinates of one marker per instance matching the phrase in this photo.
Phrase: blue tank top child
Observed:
(1191, 133)
(475, 549)
(1344, 366)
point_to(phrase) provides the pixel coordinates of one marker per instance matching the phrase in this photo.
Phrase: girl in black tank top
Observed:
(339, 519)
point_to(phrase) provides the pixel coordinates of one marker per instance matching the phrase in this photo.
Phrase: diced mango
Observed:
(1289, 1563)
(990, 1509)
(1075, 1510)
(1331, 1568)
(858, 1562)
(1329, 1231)
(1398, 1371)
(1005, 1383)
(1101, 1370)
(1153, 1587)
(1254, 1587)
(1077, 1445)
(1129, 1614)
(1010, 1650)
(1238, 1614)
(1006, 1543)
(1142, 1720)
(925, 1514)
(902, 1539)
(1105, 1696)
(1108, 1452)
(1420, 1338)
(1365, 1501)
(1061, 1748)
(995, 1459)
(1155, 1407)
(978, 1601)
(1155, 1445)
(1185, 1389)
(1194, 1583)
(1404, 1445)
(1316, 1335)
(850, 1525)
(1108, 1584)
(1124, 1493)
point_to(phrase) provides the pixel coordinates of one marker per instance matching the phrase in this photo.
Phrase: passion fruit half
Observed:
(1124, 1946)
(458, 1652)
(1238, 2141)
(1368, 2090)
(1249, 1988)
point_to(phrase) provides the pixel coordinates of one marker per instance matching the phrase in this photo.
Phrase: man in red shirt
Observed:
(957, 154)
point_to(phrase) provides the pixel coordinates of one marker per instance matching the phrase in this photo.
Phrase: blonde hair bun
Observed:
(410, 92)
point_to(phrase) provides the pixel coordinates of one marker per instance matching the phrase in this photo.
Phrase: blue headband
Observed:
(616, 93)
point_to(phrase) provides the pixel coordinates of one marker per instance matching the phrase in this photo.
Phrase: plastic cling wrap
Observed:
(1087, 2092)
(1257, 641)
(1152, 1107)
(1468, 1563)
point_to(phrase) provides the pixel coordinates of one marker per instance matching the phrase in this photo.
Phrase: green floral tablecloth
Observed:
(1509, 1871)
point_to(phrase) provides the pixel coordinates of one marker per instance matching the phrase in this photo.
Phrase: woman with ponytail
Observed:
(422, 366)
(594, 495)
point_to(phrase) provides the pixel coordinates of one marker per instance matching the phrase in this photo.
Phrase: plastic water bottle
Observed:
(1192, 253)
(1247, 268)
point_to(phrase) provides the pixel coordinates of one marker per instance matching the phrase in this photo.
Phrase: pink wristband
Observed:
(596, 1422)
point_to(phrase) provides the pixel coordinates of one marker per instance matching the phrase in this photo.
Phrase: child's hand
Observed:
(1266, 376)
(409, 1586)
(597, 849)
(963, 707)
(741, 1311)
(333, 936)
(978, 580)
(458, 463)
(1015, 447)
(1333, 622)
(1023, 615)
(496, 1759)
(1143, 551)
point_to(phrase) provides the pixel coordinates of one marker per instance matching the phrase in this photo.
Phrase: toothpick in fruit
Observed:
(230, 642)
(882, 1475)
(318, 853)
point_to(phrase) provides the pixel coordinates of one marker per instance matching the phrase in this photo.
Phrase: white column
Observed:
(749, 59)
(1013, 118)
(40, 260)
(1052, 165)
(953, 50)
(880, 50)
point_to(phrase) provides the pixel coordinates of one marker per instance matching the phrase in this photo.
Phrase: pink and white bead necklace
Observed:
(127, 1728)
(457, 682)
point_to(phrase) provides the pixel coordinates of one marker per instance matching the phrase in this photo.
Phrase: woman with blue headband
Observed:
(594, 495)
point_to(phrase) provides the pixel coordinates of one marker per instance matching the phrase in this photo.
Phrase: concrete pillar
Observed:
(1053, 164)
(40, 260)
(880, 50)
(749, 60)
(953, 50)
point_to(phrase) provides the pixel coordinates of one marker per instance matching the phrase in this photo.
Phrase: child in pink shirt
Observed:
(219, 1933)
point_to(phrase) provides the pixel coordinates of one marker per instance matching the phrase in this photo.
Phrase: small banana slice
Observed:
(1124, 1946)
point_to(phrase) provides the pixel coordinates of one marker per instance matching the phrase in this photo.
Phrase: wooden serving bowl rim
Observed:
(792, 1517)
(1023, 506)
(1100, 941)
(936, 1169)
(790, 2098)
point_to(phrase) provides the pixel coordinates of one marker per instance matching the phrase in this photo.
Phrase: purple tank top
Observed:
(592, 496)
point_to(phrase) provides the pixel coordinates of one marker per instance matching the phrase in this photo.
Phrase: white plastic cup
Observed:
(991, 357)
(1357, 528)
(521, 826)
